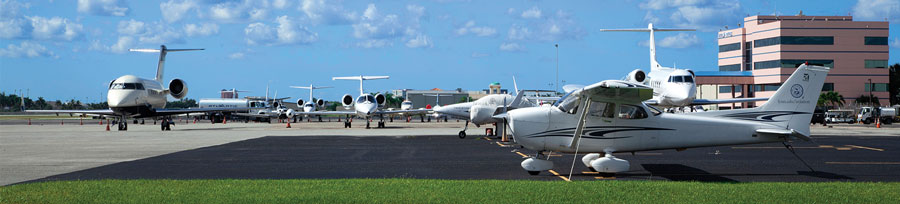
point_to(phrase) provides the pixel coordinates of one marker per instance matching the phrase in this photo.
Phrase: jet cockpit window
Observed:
(137, 86)
(631, 112)
(653, 110)
(365, 98)
(689, 79)
(676, 79)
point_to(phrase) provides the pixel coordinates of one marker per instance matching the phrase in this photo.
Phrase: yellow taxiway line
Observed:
(557, 174)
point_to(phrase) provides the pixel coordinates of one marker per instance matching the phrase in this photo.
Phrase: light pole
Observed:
(557, 69)
(871, 86)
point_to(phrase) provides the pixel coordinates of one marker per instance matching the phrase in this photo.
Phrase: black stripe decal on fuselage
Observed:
(594, 132)
(764, 116)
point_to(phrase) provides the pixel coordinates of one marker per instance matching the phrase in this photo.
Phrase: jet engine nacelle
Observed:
(380, 99)
(637, 76)
(289, 113)
(482, 114)
(320, 102)
(178, 88)
(347, 100)
(300, 102)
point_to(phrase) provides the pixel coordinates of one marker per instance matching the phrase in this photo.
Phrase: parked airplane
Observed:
(672, 87)
(481, 111)
(365, 106)
(131, 96)
(311, 105)
(610, 117)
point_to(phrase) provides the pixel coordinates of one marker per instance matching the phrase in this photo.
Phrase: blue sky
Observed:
(72, 49)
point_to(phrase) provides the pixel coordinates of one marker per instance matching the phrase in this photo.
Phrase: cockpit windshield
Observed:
(132, 86)
(366, 98)
(682, 79)
(568, 103)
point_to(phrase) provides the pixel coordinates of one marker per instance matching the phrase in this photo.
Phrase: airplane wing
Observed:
(326, 113)
(618, 90)
(93, 112)
(414, 111)
(164, 112)
(713, 101)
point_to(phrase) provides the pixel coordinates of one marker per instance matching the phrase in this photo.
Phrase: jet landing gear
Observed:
(166, 124)
(462, 133)
(347, 122)
(123, 124)
(381, 122)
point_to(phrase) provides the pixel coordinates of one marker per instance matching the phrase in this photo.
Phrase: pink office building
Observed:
(755, 59)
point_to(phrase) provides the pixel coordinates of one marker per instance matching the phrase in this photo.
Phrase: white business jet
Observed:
(311, 105)
(672, 87)
(482, 111)
(610, 116)
(131, 96)
(365, 106)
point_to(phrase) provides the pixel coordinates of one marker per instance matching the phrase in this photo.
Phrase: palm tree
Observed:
(831, 98)
(870, 100)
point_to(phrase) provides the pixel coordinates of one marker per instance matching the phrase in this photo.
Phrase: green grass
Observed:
(443, 191)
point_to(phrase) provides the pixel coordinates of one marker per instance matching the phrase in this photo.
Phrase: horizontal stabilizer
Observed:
(783, 133)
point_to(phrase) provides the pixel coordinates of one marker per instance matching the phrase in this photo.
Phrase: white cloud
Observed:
(682, 40)
(55, 28)
(236, 55)
(12, 9)
(534, 12)
(877, 10)
(416, 10)
(26, 49)
(288, 31)
(558, 26)
(205, 29)
(700, 14)
(238, 11)
(480, 31)
(131, 27)
(512, 47)
(895, 43)
(175, 10)
(419, 41)
(14, 28)
(319, 11)
(122, 45)
(280, 4)
(374, 43)
(103, 7)
(374, 25)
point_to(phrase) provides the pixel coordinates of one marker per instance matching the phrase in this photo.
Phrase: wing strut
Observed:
(579, 129)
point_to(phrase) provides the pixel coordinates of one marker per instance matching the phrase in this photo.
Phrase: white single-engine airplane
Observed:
(130, 96)
(672, 87)
(482, 111)
(365, 106)
(610, 116)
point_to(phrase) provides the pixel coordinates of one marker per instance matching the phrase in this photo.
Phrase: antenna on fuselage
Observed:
(361, 79)
(162, 58)
(653, 63)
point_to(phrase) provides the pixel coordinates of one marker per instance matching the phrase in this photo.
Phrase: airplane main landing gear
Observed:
(610, 165)
(166, 124)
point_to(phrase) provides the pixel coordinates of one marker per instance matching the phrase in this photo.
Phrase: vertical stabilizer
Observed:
(797, 98)
(652, 43)
(162, 58)
(311, 88)
(361, 79)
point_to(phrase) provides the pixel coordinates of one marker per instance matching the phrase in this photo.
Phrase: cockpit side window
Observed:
(631, 112)
(689, 79)
(601, 109)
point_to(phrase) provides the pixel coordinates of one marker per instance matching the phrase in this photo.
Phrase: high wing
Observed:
(713, 101)
(93, 112)
(617, 90)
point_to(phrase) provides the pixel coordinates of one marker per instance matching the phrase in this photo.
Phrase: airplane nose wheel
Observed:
(462, 134)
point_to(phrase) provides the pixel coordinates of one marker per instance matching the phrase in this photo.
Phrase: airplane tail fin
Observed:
(361, 79)
(792, 105)
(162, 58)
(653, 63)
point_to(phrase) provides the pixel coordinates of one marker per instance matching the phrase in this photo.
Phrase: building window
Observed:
(792, 63)
(764, 87)
(876, 63)
(729, 47)
(795, 40)
(766, 64)
(729, 68)
(876, 41)
(828, 87)
(879, 87)
(727, 89)
(766, 42)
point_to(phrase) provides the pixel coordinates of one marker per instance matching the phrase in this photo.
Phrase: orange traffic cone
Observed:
(81, 121)
(107, 126)
(877, 123)
(289, 125)
(29, 121)
(224, 121)
(101, 121)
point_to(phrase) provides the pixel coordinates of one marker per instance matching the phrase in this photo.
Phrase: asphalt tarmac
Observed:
(833, 158)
